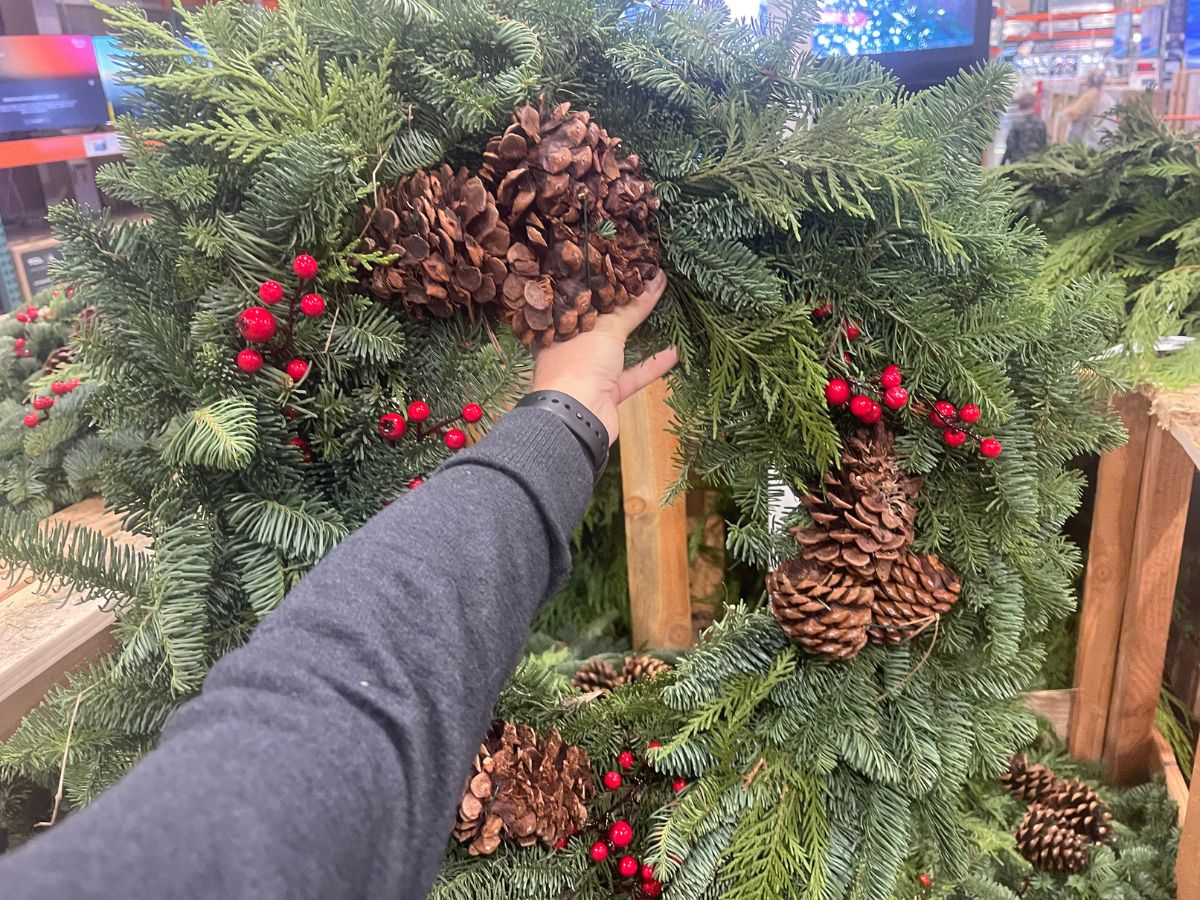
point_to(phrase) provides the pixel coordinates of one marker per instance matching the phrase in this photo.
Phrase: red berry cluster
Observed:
(46, 402)
(258, 324)
(27, 315)
(394, 425)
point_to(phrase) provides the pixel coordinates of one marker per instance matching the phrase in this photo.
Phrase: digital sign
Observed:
(50, 83)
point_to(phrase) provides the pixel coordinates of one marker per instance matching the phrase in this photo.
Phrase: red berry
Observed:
(563, 843)
(837, 391)
(297, 369)
(954, 437)
(290, 412)
(305, 266)
(418, 411)
(943, 414)
(270, 292)
(823, 312)
(626, 760)
(302, 446)
(613, 780)
(860, 407)
(472, 412)
(621, 834)
(970, 413)
(455, 439)
(18, 343)
(312, 305)
(60, 388)
(32, 312)
(72, 384)
(415, 483)
(891, 377)
(852, 331)
(895, 398)
(628, 866)
(598, 851)
(43, 402)
(21, 317)
(876, 414)
(651, 888)
(678, 785)
(925, 880)
(647, 872)
(653, 744)
(54, 293)
(31, 420)
(392, 426)
(249, 361)
(70, 292)
(990, 447)
(257, 324)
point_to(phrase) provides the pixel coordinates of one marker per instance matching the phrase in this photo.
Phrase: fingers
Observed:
(629, 317)
(637, 377)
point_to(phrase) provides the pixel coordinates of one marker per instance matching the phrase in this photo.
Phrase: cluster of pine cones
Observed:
(598, 675)
(561, 232)
(524, 789)
(856, 578)
(1064, 819)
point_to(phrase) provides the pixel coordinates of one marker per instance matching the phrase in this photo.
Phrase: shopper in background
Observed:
(1081, 115)
(1027, 136)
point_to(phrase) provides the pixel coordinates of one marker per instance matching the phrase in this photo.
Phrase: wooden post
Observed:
(1107, 579)
(1163, 498)
(656, 535)
(1187, 869)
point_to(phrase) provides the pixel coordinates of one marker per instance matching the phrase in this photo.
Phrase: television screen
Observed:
(49, 83)
(108, 59)
(873, 27)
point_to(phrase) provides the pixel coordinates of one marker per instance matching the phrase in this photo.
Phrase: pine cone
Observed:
(597, 675)
(825, 610)
(451, 243)
(1045, 841)
(524, 790)
(865, 521)
(56, 359)
(1080, 809)
(564, 191)
(639, 668)
(917, 591)
(1028, 782)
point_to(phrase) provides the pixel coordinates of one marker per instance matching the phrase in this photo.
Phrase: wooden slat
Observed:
(1162, 508)
(1054, 706)
(1106, 582)
(656, 536)
(1187, 871)
(1164, 762)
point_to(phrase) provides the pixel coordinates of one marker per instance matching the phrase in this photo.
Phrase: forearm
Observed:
(325, 758)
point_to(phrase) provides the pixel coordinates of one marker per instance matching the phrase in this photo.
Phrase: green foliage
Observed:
(1127, 209)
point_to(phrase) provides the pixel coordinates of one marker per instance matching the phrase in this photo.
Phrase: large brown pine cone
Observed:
(1028, 781)
(451, 243)
(524, 790)
(865, 520)
(639, 668)
(597, 675)
(824, 610)
(1044, 840)
(563, 189)
(917, 590)
(1080, 809)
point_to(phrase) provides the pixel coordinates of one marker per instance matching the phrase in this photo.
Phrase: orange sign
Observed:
(35, 151)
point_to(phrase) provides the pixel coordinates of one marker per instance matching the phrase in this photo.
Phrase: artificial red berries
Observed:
(852, 331)
(970, 413)
(455, 439)
(40, 403)
(990, 447)
(312, 305)
(895, 398)
(837, 392)
(891, 377)
(598, 851)
(943, 414)
(305, 266)
(621, 833)
(418, 411)
(415, 483)
(297, 369)
(249, 361)
(613, 781)
(270, 292)
(257, 324)
(954, 437)
(628, 866)
(626, 760)
(392, 426)
(472, 413)
(926, 881)
(32, 420)
(679, 785)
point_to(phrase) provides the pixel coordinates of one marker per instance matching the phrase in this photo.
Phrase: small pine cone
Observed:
(917, 591)
(865, 520)
(450, 242)
(580, 216)
(63, 356)
(1026, 781)
(597, 675)
(1081, 809)
(825, 611)
(524, 790)
(1048, 843)
(644, 668)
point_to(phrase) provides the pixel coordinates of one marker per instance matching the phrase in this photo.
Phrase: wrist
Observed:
(585, 427)
(596, 402)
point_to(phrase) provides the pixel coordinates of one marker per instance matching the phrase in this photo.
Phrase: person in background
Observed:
(1081, 115)
(1027, 135)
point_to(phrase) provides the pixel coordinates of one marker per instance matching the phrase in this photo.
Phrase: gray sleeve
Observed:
(325, 758)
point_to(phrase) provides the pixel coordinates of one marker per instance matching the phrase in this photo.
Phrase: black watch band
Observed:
(588, 430)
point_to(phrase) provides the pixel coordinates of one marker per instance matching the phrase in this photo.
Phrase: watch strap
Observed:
(587, 428)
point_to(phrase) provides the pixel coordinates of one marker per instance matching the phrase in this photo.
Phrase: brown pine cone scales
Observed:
(1080, 809)
(917, 591)
(452, 246)
(1045, 841)
(643, 668)
(865, 520)
(580, 218)
(824, 610)
(1026, 781)
(597, 675)
(524, 790)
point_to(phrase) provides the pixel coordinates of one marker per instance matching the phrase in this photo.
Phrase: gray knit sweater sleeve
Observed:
(325, 758)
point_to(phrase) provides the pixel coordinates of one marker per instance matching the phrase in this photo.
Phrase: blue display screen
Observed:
(871, 27)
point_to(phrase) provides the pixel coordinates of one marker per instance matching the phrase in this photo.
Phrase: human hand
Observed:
(591, 366)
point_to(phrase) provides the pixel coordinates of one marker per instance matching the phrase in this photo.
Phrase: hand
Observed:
(591, 366)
